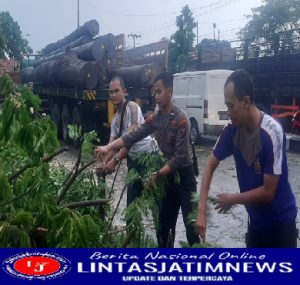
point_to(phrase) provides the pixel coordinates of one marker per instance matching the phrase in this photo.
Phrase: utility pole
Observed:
(134, 36)
(214, 27)
(197, 33)
(77, 13)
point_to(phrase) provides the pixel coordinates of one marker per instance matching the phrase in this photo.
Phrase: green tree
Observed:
(12, 45)
(182, 41)
(272, 27)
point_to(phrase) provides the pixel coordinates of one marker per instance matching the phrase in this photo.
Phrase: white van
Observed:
(201, 95)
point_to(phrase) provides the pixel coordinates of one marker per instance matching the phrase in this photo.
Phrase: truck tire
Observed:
(65, 121)
(76, 120)
(195, 135)
(56, 118)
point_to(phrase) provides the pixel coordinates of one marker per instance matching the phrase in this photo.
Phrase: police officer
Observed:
(171, 128)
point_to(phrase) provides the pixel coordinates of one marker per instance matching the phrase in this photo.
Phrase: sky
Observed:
(46, 21)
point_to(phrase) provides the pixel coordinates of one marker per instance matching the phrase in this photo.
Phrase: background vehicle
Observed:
(201, 95)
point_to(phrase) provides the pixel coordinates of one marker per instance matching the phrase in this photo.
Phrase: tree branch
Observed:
(30, 164)
(88, 203)
(72, 179)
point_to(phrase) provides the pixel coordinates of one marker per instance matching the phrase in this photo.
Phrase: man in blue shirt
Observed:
(257, 143)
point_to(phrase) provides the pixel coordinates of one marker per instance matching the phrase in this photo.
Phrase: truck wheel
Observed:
(76, 120)
(65, 121)
(195, 136)
(56, 118)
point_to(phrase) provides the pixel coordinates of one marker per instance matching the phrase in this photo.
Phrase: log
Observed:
(67, 71)
(108, 42)
(138, 75)
(103, 79)
(43, 74)
(28, 75)
(111, 61)
(89, 28)
(84, 39)
(72, 72)
(156, 69)
(91, 51)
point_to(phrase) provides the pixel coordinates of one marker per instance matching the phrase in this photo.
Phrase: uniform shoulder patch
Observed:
(183, 123)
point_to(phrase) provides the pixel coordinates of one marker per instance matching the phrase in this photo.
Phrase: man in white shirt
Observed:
(132, 119)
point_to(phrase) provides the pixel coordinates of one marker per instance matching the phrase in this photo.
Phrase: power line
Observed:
(168, 26)
(165, 25)
(150, 15)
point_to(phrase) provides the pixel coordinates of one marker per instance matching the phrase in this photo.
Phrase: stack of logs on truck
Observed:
(72, 76)
(273, 64)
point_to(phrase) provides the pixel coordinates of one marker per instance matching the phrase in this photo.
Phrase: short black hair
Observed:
(121, 80)
(166, 78)
(243, 84)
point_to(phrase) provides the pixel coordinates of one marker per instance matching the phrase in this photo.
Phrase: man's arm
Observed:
(102, 151)
(209, 169)
(110, 154)
(262, 194)
(127, 140)
(111, 165)
(181, 153)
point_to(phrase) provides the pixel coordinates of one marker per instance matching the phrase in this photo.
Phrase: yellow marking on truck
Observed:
(89, 95)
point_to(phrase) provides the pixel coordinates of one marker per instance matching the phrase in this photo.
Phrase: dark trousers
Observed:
(135, 189)
(176, 197)
(282, 235)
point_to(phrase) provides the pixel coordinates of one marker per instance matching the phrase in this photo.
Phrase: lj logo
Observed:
(36, 266)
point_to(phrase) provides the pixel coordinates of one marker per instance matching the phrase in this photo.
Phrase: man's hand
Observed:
(110, 167)
(201, 225)
(224, 202)
(101, 151)
(153, 179)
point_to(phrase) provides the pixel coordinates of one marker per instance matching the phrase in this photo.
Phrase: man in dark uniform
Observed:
(171, 128)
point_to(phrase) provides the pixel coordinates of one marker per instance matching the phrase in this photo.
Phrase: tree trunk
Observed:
(102, 69)
(84, 39)
(28, 75)
(138, 75)
(43, 74)
(67, 71)
(91, 51)
(72, 72)
(89, 28)
(108, 41)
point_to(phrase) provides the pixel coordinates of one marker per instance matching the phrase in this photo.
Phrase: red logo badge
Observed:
(36, 266)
